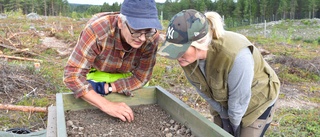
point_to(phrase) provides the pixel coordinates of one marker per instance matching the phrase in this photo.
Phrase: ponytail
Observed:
(216, 24)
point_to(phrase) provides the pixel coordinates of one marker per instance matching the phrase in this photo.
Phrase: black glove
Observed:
(226, 125)
(98, 87)
(236, 130)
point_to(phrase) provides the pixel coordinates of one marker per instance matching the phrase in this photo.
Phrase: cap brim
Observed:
(173, 50)
(203, 41)
(144, 23)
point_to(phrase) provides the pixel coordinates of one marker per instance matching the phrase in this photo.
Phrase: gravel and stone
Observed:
(149, 121)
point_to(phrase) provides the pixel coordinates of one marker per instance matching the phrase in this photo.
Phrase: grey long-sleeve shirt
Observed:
(239, 85)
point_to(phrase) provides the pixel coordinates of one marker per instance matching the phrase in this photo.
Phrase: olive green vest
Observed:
(220, 58)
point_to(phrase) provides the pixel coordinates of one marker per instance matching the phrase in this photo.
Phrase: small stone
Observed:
(69, 123)
(171, 128)
(188, 131)
(176, 127)
(182, 131)
(169, 135)
(74, 127)
(166, 130)
(81, 128)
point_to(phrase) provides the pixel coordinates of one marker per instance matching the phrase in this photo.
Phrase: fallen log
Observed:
(19, 58)
(23, 108)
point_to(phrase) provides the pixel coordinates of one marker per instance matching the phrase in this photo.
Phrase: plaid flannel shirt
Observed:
(99, 46)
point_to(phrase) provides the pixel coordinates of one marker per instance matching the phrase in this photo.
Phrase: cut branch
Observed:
(20, 58)
(22, 108)
(9, 47)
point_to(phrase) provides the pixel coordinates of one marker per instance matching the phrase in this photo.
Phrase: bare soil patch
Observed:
(150, 121)
(295, 97)
(60, 46)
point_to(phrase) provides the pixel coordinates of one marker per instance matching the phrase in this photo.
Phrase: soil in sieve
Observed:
(149, 121)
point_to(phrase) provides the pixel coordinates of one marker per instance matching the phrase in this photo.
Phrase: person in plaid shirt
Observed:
(115, 43)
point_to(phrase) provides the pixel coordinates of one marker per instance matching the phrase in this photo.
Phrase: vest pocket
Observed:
(219, 89)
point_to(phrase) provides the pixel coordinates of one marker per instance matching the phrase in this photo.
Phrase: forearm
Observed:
(76, 82)
(95, 99)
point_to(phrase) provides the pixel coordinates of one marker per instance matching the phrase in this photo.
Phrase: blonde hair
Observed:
(216, 24)
(216, 30)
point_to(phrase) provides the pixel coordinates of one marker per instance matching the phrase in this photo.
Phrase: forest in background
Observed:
(235, 12)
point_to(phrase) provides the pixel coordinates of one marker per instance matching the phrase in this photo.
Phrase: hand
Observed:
(98, 87)
(119, 110)
(116, 109)
(226, 125)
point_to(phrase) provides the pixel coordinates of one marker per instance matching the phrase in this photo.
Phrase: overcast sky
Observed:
(100, 2)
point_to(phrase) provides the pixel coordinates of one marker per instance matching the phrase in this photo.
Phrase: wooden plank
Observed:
(52, 122)
(199, 125)
(72, 103)
(145, 95)
(61, 129)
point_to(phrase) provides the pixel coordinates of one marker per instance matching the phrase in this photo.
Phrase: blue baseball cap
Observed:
(141, 14)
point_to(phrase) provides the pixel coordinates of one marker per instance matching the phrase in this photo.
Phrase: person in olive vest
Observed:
(226, 69)
(115, 53)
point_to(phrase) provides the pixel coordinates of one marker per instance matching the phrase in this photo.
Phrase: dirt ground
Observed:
(150, 121)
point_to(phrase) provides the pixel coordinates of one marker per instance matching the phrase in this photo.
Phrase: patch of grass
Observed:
(295, 39)
(34, 101)
(306, 22)
(54, 72)
(296, 123)
(50, 52)
(167, 73)
(16, 119)
(313, 99)
(164, 24)
(66, 36)
(282, 96)
(308, 41)
(297, 75)
(285, 76)
(297, 50)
